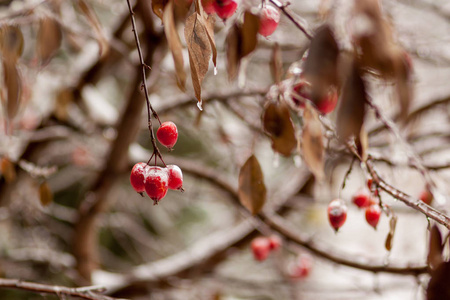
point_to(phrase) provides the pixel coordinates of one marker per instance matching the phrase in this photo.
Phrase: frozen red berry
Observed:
(260, 248)
(167, 134)
(328, 103)
(362, 198)
(268, 20)
(225, 8)
(156, 183)
(301, 267)
(175, 177)
(426, 196)
(373, 214)
(337, 213)
(137, 177)
(208, 6)
(274, 242)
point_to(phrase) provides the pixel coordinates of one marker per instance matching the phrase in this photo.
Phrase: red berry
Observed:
(301, 93)
(156, 183)
(260, 248)
(301, 268)
(208, 6)
(175, 177)
(167, 134)
(328, 103)
(337, 213)
(137, 177)
(373, 214)
(268, 20)
(225, 8)
(369, 183)
(426, 196)
(361, 198)
(274, 242)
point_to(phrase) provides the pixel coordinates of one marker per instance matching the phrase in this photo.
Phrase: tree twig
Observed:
(289, 14)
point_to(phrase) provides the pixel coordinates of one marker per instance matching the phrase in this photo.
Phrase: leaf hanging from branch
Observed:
(252, 190)
(352, 109)
(434, 258)
(199, 48)
(277, 122)
(390, 236)
(8, 170)
(45, 194)
(241, 41)
(102, 41)
(438, 287)
(276, 64)
(173, 39)
(49, 39)
(321, 68)
(312, 142)
(12, 91)
(11, 42)
(158, 8)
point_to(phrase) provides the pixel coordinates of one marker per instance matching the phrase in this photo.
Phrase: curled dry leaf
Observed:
(199, 47)
(276, 63)
(390, 236)
(49, 39)
(158, 8)
(8, 170)
(11, 42)
(434, 258)
(45, 194)
(352, 109)
(12, 91)
(312, 142)
(321, 64)
(103, 44)
(362, 143)
(241, 41)
(173, 39)
(277, 122)
(252, 190)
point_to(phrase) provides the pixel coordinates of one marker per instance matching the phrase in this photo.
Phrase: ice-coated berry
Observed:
(426, 196)
(373, 214)
(156, 183)
(260, 248)
(208, 6)
(167, 134)
(361, 198)
(225, 8)
(137, 176)
(268, 20)
(337, 213)
(274, 242)
(175, 177)
(328, 103)
(301, 267)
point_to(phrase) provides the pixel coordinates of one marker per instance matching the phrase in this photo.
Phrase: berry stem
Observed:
(150, 110)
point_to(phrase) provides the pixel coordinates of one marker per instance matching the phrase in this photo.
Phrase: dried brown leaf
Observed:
(434, 258)
(173, 39)
(199, 48)
(277, 122)
(352, 110)
(390, 236)
(158, 7)
(90, 15)
(438, 287)
(249, 34)
(49, 39)
(362, 143)
(11, 42)
(321, 64)
(12, 92)
(252, 190)
(8, 170)
(276, 64)
(45, 194)
(63, 99)
(312, 142)
(233, 57)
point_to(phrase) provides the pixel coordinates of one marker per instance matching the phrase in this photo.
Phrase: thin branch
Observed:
(89, 292)
(144, 66)
(283, 7)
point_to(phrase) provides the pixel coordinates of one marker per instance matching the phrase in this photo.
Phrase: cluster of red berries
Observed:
(337, 210)
(154, 180)
(302, 93)
(262, 246)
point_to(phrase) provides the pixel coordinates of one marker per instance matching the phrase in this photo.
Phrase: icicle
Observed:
(199, 105)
